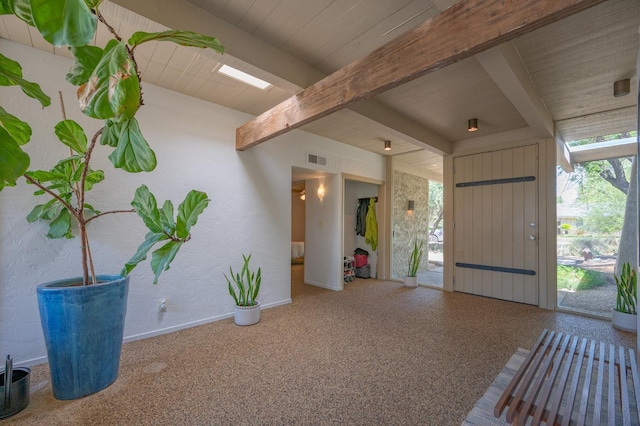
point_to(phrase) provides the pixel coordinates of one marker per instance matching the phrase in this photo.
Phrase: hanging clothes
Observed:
(371, 233)
(361, 216)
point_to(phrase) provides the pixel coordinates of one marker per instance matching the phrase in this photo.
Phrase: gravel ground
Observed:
(600, 300)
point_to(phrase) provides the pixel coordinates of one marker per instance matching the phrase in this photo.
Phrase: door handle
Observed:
(532, 237)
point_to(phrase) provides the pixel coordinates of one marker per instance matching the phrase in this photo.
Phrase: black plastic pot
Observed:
(14, 393)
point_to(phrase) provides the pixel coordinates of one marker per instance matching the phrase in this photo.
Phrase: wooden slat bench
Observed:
(567, 380)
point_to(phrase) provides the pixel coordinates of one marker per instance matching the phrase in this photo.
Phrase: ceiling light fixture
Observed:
(622, 88)
(244, 77)
(473, 124)
(387, 145)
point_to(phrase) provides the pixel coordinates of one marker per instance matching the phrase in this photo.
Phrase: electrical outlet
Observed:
(162, 305)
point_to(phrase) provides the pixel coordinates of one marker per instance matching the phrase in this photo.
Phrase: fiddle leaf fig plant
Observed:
(109, 89)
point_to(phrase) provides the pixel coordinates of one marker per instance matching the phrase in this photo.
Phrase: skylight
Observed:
(244, 77)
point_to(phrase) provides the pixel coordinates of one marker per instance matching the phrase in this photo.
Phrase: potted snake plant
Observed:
(83, 317)
(413, 264)
(624, 315)
(244, 288)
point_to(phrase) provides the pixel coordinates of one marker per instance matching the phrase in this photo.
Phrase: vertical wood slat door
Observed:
(496, 225)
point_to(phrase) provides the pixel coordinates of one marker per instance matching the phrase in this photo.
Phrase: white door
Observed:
(496, 224)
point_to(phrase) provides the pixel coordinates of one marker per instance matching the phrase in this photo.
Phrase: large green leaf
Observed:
(184, 38)
(166, 217)
(60, 226)
(146, 207)
(13, 160)
(93, 3)
(16, 128)
(141, 254)
(5, 7)
(43, 176)
(22, 9)
(93, 177)
(189, 210)
(113, 88)
(45, 211)
(110, 133)
(87, 59)
(9, 69)
(11, 75)
(133, 153)
(162, 258)
(64, 22)
(72, 135)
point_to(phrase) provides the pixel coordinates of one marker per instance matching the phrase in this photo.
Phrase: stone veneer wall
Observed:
(407, 226)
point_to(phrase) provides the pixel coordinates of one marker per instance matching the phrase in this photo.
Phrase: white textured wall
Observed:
(194, 141)
(323, 234)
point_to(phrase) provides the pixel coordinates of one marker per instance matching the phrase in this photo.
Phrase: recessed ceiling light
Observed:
(621, 88)
(244, 77)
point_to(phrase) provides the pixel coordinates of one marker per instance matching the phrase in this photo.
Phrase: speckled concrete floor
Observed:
(375, 353)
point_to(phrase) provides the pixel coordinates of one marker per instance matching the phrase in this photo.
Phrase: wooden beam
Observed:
(463, 30)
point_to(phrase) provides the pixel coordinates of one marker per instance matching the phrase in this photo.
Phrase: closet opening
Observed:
(362, 228)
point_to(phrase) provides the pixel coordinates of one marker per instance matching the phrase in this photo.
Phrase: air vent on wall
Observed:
(316, 159)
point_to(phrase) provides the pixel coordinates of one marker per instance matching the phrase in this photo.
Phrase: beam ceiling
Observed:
(463, 30)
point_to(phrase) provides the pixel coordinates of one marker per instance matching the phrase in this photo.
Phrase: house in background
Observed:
(526, 97)
(570, 218)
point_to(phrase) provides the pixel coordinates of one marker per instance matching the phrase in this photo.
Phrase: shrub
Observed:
(577, 279)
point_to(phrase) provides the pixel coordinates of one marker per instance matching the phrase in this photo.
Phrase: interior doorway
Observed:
(298, 197)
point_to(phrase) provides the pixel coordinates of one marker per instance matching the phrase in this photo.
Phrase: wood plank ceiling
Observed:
(569, 68)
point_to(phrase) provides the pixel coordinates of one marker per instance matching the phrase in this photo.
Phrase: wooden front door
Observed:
(496, 224)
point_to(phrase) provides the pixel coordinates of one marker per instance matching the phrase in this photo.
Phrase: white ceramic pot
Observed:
(411, 282)
(247, 315)
(624, 322)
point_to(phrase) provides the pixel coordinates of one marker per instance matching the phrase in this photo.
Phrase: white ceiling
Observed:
(560, 75)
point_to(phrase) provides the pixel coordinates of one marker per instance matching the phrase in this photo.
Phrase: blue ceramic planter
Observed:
(83, 328)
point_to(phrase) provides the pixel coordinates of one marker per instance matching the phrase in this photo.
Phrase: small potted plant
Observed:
(624, 316)
(244, 288)
(411, 279)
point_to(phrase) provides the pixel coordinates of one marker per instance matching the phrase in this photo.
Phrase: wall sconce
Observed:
(303, 195)
(411, 205)
(621, 88)
(387, 145)
(321, 192)
(473, 125)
